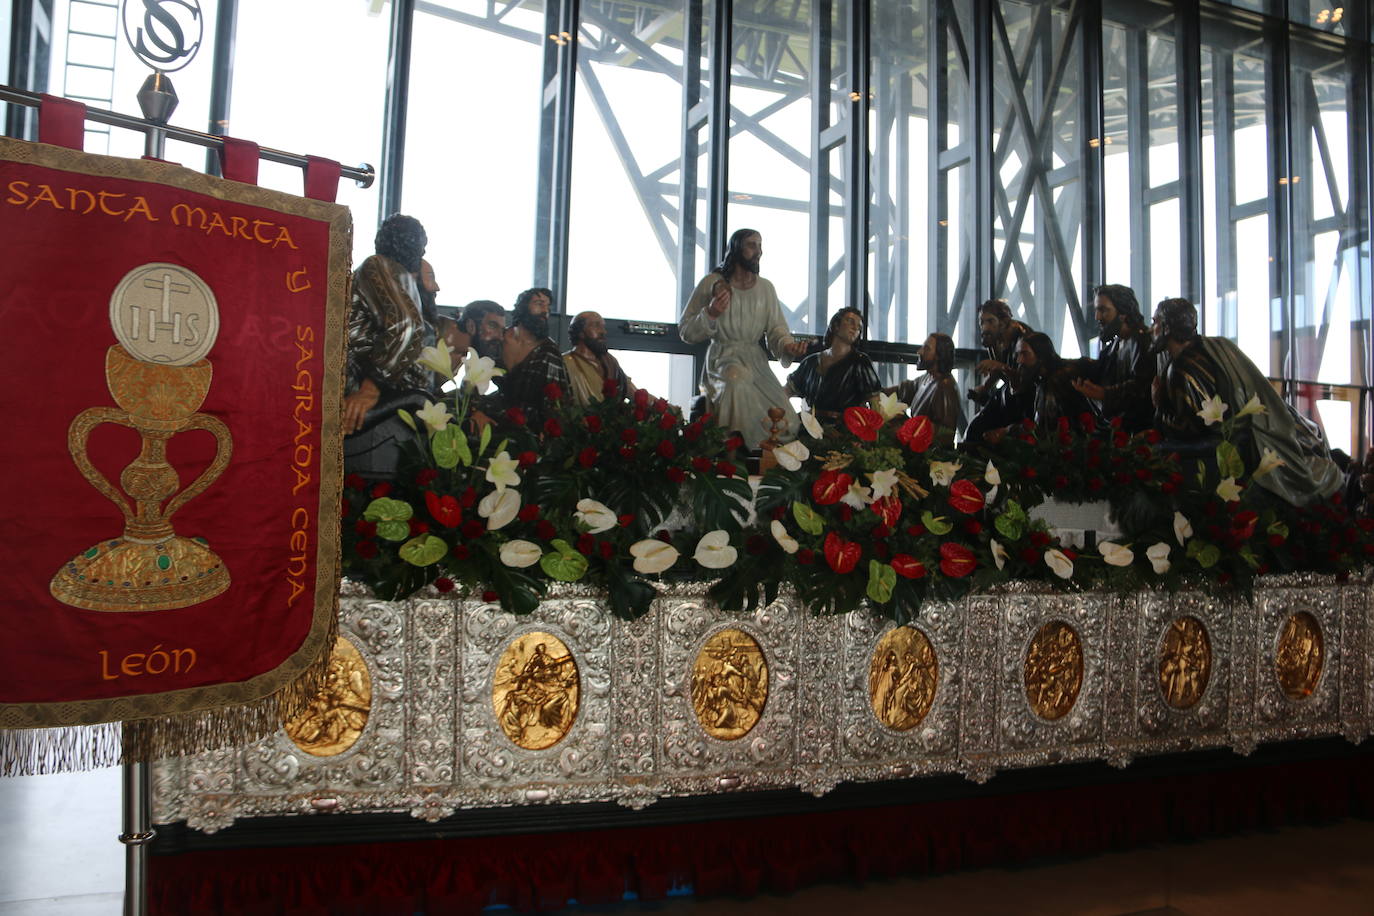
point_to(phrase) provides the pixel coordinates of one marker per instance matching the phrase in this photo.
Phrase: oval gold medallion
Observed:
(1299, 657)
(1185, 663)
(729, 684)
(335, 719)
(535, 691)
(902, 677)
(1054, 670)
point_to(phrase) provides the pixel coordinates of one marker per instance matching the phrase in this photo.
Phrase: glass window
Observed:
(1324, 15)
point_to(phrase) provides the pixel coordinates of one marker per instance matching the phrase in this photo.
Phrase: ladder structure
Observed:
(89, 62)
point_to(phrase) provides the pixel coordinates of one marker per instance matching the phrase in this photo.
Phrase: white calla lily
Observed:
(652, 556)
(438, 358)
(596, 516)
(1183, 529)
(857, 496)
(1251, 406)
(991, 474)
(714, 550)
(520, 554)
(1213, 409)
(1269, 459)
(502, 470)
(1159, 557)
(1061, 564)
(434, 416)
(999, 553)
(811, 424)
(1116, 554)
(480, 371)
(942, 472)
(1228, 490)
(499, 507)
(791, 455)
(884, 482)
(785, 540)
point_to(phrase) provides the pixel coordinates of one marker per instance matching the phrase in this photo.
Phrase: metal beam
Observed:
(392, 170)
(222, 76)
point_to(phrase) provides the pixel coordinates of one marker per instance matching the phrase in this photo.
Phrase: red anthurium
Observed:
(830, 486)
(842, 555)
(956, 560)
(965, 497)
(917, 433)
(907, 566)
(863, 422)
(444, 509)
(889, 509)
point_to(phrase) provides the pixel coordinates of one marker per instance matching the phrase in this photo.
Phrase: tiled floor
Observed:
(59, 857)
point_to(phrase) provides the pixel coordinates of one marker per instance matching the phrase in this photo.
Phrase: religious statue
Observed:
(531, 359)
(999, 404)
(590, 363)
(732, 309)
(935, 394)
(1118, 381)
(841, 375)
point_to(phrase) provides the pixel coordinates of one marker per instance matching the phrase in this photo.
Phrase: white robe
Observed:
(738, 383)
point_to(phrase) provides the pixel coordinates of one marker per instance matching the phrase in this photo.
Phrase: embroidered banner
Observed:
(173, 346)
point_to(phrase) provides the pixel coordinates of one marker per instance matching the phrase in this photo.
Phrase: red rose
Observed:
(1028, 424)
(965, 497)
(1276, 540)
(473, 529)
(1142, 452)
(528, 512)
(627, 452)
(606, 549)
(1040, 539)
(1061, 482)
(545, 530)
(355, 482)
(778, 513)
(667, 421)
(425, 476)
(625, 520)
(553, 391)
(381, 489)
(1062, 425)
(593, 422)
(806, 557)
(1120, 439)
(460, 551)
(366, 549)
(489, 596)
(586, 544)
(973, 526)
(841, 555)
(661, 405)
(587, 457)
(467, 498)
(863, 422)
(879, 531)
(908, 567)
(1096, 484)
(527, 458)
(1086, 421)
(1143, 474)
(641, 398)
(666, 449)
(846, 513)
(365, 528)
(889, 509)
(443, 509)
(830, 486)
(444, 584)
(956, 560)
(1030, 555)
(725, 469)
(701, 465)
(693, 431)
(609, 388)
(640, 414)
(677, 475)
(916, 530)
(665, 537)
(417, 527)
(1152, 436)
(1028, 473)
(629, 436)
(553, 428)
(734, 442)
(917, 433)
(516, 416)
(1168, 487)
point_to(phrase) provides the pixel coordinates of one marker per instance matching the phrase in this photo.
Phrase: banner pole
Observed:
(138, 833)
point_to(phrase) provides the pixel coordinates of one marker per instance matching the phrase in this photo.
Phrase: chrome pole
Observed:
(138, 833)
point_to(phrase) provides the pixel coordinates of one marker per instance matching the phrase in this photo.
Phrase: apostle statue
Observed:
(1118, 381)
(839, 376)
(999, 404)
(592, 369)
(531, 359)
(1198, 370)
(733, 309)
(935, 394)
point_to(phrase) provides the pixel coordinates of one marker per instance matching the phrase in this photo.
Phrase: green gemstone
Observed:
(91, 553)
(164, 562)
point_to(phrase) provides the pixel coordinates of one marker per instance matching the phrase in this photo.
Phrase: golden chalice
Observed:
(159, 384)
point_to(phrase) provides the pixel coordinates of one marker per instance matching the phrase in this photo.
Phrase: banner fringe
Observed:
(42, 751)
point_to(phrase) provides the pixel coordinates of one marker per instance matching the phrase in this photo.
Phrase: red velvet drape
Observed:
(777, 854)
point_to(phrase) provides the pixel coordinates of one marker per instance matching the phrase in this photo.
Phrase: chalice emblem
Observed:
(166, 320)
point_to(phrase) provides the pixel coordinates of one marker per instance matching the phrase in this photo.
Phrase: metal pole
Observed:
(138, 833)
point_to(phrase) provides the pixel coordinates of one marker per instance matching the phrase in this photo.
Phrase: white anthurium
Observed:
(1159, 557)
(791, 455)
(714, 550)
(434, 416)
(811, 424)
(1213, 409)
(499, 507)
(520, 554)
(884, 483)
(1228, 490)
(1269, 459)
(596, 516)
(999, 553)
(857, 496)
(502, 470)
(785, 540)
(480, 371)
(889, 406)
(1061, 564)
(992, 475)
(1251, 406)
(1116, 554)
(438, 358)
(652, 555)
(942, 472)
(1183, 529)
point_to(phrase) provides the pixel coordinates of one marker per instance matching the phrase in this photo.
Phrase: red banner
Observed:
(173, 349)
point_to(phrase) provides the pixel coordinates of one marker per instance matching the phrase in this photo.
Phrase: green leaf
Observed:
(935, 525)
(423, 550)
(407, 419)
(1229, 463)
(806, 517)
(484, 441)
(1011, 524)
(1201, 474)
(882, 578)
(1249, 557)
(1278, 528)
(451, 446)
(563, 563)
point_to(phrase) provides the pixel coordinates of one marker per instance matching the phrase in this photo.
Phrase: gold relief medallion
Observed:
(535, 691)
(902, 676)
(729, 684)
(1185, 663)
(335, 719)
(1054, 670)
(1299, 656)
